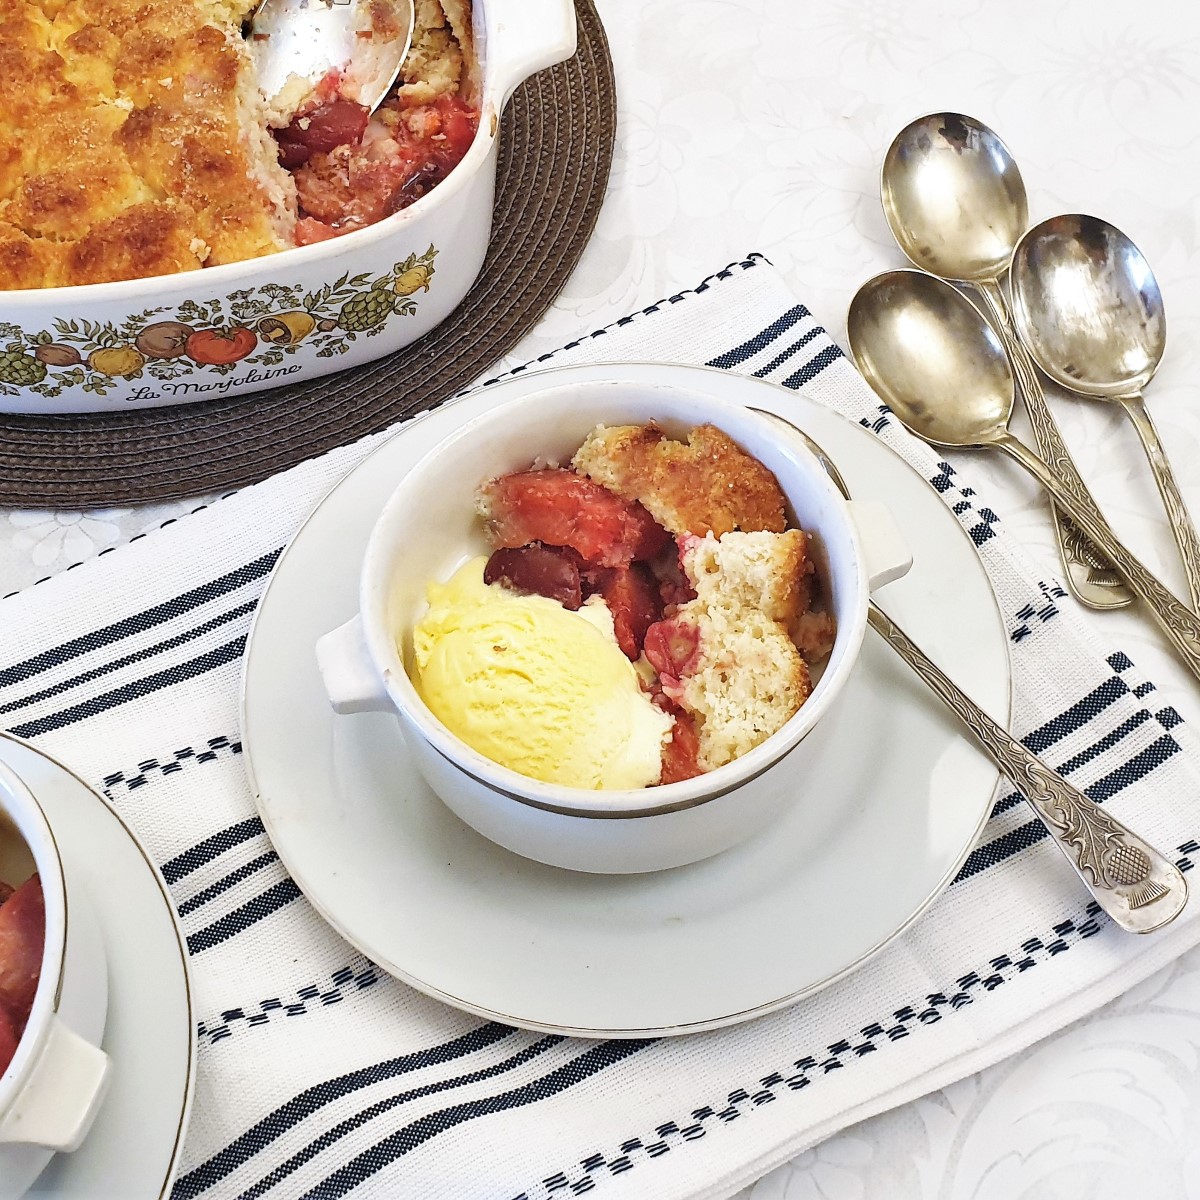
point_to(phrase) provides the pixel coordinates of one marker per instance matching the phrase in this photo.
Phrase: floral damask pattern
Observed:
(760, 125)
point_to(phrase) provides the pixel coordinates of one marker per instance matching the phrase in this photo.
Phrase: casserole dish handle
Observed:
(529, 36)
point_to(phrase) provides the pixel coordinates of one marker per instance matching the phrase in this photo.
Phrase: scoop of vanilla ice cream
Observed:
(536, 687)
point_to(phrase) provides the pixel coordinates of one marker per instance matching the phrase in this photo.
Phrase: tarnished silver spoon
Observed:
(956, 205)
(1139, 888)
(931, 354)
(1089, 309)
(364, 41)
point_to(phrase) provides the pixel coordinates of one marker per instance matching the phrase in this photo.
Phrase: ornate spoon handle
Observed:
(1177, 621)
(1130, 880)
(1093, 579)
(1177, 513)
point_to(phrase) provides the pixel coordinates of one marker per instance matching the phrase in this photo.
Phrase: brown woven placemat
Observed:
(555, 151)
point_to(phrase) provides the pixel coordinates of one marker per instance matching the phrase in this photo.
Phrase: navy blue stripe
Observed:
(250, 913)
(228, 653)
(1105, 743)
(212, 847)
(1133, 769)
(989, 854)
(359, 1119)
(813, 367)
(202, 897)
(300, 1107)
(140, 621)
(793, 349)
(1012, 799)
(1080, 713)
(117, 664)
(760, 341)
(371, 1161)
(1001, 848)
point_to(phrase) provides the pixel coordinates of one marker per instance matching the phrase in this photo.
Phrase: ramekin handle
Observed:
(529, 36)
(884, 549)
(57, 1107)
(351, 680)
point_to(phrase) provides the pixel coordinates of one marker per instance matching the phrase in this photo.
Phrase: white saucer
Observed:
(133, 1148)
(891, 805)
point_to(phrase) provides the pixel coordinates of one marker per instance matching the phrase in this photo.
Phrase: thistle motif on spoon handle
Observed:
(1139, 888)
(1090, 574)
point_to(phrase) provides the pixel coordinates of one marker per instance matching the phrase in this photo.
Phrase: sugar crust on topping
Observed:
(707, 484)
(131, 143)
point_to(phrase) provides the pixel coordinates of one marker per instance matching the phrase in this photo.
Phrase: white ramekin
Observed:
(423, 260)
(429, 526)
(54, 1085)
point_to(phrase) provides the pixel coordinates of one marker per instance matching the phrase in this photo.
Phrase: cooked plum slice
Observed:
(674, 587)
(682, 751)
(551, 571)
(559, 508)
(631, 594)
(22, 935)
(673, 650)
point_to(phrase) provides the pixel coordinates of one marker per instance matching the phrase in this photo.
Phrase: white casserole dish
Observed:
(294, 315)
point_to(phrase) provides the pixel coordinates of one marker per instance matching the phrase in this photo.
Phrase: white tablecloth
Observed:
(760, 125)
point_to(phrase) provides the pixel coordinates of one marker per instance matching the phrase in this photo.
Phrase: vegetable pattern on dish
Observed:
(207, 347)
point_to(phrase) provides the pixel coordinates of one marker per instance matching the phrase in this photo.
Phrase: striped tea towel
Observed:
(320, 1077)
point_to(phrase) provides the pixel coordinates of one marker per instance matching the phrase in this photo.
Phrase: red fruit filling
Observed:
(559, 508)
(681, 752)
(674, 587)
(325, 128)
(22, 935)
(551, 571)
(351, 171)
(631, 594)
(673, 650)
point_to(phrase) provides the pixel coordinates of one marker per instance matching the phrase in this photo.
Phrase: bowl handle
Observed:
(58, 1105)
(529, 36)
(351, 680)
(885, 551)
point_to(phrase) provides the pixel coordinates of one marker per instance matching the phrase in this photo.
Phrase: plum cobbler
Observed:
(135, 141)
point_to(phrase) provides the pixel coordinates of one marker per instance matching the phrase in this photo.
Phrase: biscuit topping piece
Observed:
(707, 484)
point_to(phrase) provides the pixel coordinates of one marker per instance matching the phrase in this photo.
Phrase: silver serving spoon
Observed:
(1087, 306)
(933, 357)
(956, 205)
(1139, 888)
(366, 41)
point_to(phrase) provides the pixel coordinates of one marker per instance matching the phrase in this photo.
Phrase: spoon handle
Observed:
(1177, 513)
(1178, 622)
(1090, 575)
(1139, 888)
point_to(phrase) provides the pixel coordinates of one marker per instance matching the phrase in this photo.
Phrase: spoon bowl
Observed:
(364, 41)
(927, 350)
(956, 204)
(953, 197)
(1087, 306)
